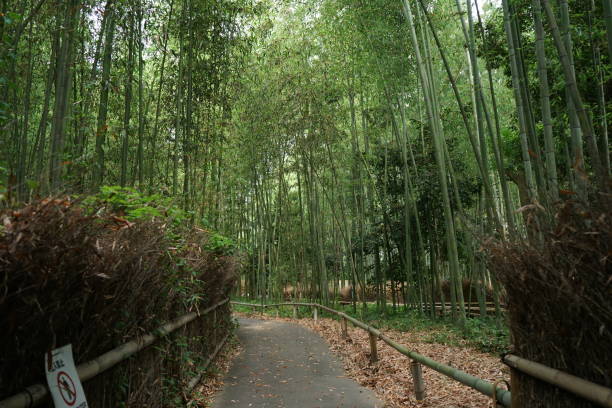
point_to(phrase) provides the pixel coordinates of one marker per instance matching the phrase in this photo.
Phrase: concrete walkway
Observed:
(285, 365)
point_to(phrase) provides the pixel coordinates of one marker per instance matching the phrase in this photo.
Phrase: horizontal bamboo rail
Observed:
(596, 393)
(35, 394)
(485, 387)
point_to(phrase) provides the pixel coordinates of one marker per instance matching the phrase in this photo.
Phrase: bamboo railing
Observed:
(596, 393)
(590, 391)
(37, 393)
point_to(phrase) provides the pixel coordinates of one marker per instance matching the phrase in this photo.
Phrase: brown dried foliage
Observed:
(97, 282)
(560, 300)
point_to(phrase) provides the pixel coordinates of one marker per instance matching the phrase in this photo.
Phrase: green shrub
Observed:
(220, 244)
(135, 205)
(487, 334)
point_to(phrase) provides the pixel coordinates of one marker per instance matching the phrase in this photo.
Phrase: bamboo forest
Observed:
(305, 203)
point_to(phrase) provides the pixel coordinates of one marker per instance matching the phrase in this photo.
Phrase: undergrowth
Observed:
(485, 334)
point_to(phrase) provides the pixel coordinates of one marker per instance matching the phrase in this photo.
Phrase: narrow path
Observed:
(284, 365)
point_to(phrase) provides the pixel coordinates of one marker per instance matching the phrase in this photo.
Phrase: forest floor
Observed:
(390, 377)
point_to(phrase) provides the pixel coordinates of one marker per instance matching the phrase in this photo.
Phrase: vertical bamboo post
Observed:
(344, 325)
(214, 326)
(516, 380)
(278, 311)
(263, 307)
(314, 312)
(373, 349)
(295, 312)
(417, 379)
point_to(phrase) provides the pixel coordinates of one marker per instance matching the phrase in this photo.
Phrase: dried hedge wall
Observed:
(560, 300)
(97, 280)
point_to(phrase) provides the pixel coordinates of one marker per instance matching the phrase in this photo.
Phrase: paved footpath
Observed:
(284, 365)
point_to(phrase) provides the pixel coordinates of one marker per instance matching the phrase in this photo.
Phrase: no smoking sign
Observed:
(63, 379)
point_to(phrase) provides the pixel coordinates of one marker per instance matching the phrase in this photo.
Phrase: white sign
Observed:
(63, 379)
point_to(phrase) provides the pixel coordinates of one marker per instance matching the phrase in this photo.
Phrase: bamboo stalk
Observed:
(601, 97)
(578, 168)
(607, 6)
(495, 137)
(439, 142)
(551, 165)
(581, 110)
(519, 103)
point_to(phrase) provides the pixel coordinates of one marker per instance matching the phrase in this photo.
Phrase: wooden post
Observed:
(417, 379)
(263, 307)
(373, 349)
(344, 325)
(314, 311)
(295, 312)
(278, 311)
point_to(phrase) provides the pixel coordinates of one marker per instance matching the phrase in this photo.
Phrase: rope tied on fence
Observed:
(494, 393)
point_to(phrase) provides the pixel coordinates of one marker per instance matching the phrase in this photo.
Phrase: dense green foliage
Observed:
(338, 169)
(127, 202)
(135, 206)
(133, 93)
(341, 144)
(430, 160)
